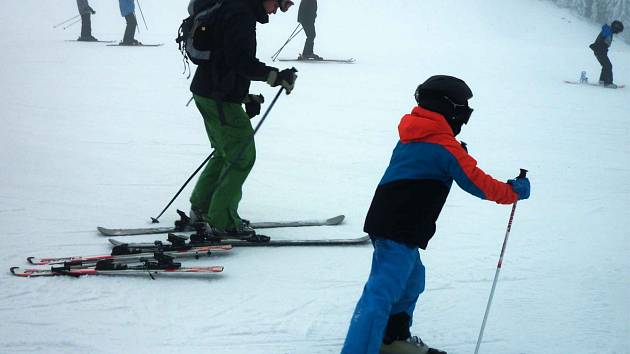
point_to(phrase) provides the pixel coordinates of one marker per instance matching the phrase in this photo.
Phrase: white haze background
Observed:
(95, 135)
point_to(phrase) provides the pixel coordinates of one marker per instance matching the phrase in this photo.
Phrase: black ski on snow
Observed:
(158, 263)
(77, 272)
(123, 253)
(136, 45)
(265, 241)
(592, 84)
(184, 225)
(74, 40)
(342, 61)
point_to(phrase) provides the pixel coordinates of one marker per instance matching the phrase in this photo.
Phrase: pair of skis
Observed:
(184, 225)
(125, 260)
(139, 258)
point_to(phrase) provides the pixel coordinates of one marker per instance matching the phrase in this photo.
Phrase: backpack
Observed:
(195, 32)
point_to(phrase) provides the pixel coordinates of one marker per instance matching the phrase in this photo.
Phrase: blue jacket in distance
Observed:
(603, 40)
(127, 7)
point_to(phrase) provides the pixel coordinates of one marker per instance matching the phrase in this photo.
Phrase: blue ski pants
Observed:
(395, 282)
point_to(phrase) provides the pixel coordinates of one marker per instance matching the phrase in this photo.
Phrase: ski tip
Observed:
(30, 260)
(19, 272)
(335, 220)
(115, 242)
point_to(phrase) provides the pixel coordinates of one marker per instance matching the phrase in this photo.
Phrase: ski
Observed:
(592, 84)
(74, 40)
(136, 45)
(157, 263)
(123, 253)
(77, 272)
(343, 61)
(249, 243)
(184, 225)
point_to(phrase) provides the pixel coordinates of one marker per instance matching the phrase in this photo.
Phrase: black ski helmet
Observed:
(448, 96)
(617, 26)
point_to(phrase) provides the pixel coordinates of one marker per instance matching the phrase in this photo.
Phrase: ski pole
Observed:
(72, 23)
(142, 14)
(295, 32)
(68, 20)
(522, 174)
(155, 220)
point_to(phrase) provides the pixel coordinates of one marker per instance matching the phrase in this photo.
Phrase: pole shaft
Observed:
(496, 277)
(295, 32)
(68, 20)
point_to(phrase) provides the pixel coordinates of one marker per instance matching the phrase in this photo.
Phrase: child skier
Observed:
(600, 49)
(404, 210)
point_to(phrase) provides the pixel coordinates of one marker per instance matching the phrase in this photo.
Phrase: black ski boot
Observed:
(398, 339)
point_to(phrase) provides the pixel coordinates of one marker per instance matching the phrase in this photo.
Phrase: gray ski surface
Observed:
(270, 243)
(256, 225)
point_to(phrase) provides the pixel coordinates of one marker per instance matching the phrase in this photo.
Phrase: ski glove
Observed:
(252, 104)
(92, 11)
(520, 186)
(285, 78)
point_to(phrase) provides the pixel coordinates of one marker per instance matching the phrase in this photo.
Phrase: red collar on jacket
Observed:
(422, 124)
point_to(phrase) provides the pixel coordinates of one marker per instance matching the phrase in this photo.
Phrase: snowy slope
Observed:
(96, 135)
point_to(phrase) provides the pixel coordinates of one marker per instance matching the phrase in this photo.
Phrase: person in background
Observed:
(600, 49)
(127, 10)
(405, 207)
(220, 88)
(86, 11)
(306, 17)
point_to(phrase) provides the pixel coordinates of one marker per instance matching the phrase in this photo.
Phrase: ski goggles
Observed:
(461, 112)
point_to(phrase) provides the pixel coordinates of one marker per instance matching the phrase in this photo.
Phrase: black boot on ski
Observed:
(398, 339)
(411, 345)
(87, 39)
(311, 56)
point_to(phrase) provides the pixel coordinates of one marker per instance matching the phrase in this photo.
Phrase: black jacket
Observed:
(307, 11)
(233, 63)
(603, 40)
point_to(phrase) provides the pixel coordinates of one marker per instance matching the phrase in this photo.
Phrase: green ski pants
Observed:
(219, 188)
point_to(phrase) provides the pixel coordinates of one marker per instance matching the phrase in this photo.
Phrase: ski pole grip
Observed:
(522, 174)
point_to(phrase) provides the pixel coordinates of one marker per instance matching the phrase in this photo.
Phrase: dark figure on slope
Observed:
(220, 88)
(86, 11)
(600, 49)
(405, 208)
(306, 17)
(127, 10)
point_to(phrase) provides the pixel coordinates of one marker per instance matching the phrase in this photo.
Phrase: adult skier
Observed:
(219, 89)
(405, 208)
(86, 11)
(600, 49)
(127, 10)
(306, 17)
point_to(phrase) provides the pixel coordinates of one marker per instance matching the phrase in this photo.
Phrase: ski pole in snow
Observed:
(141, 14)
(68, 20)
(72, 23)
(155, 219)
(522, 174)
(295, 32)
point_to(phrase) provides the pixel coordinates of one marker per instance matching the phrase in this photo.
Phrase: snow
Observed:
(95, 135)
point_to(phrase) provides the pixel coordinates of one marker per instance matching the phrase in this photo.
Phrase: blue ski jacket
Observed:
(603, 40)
